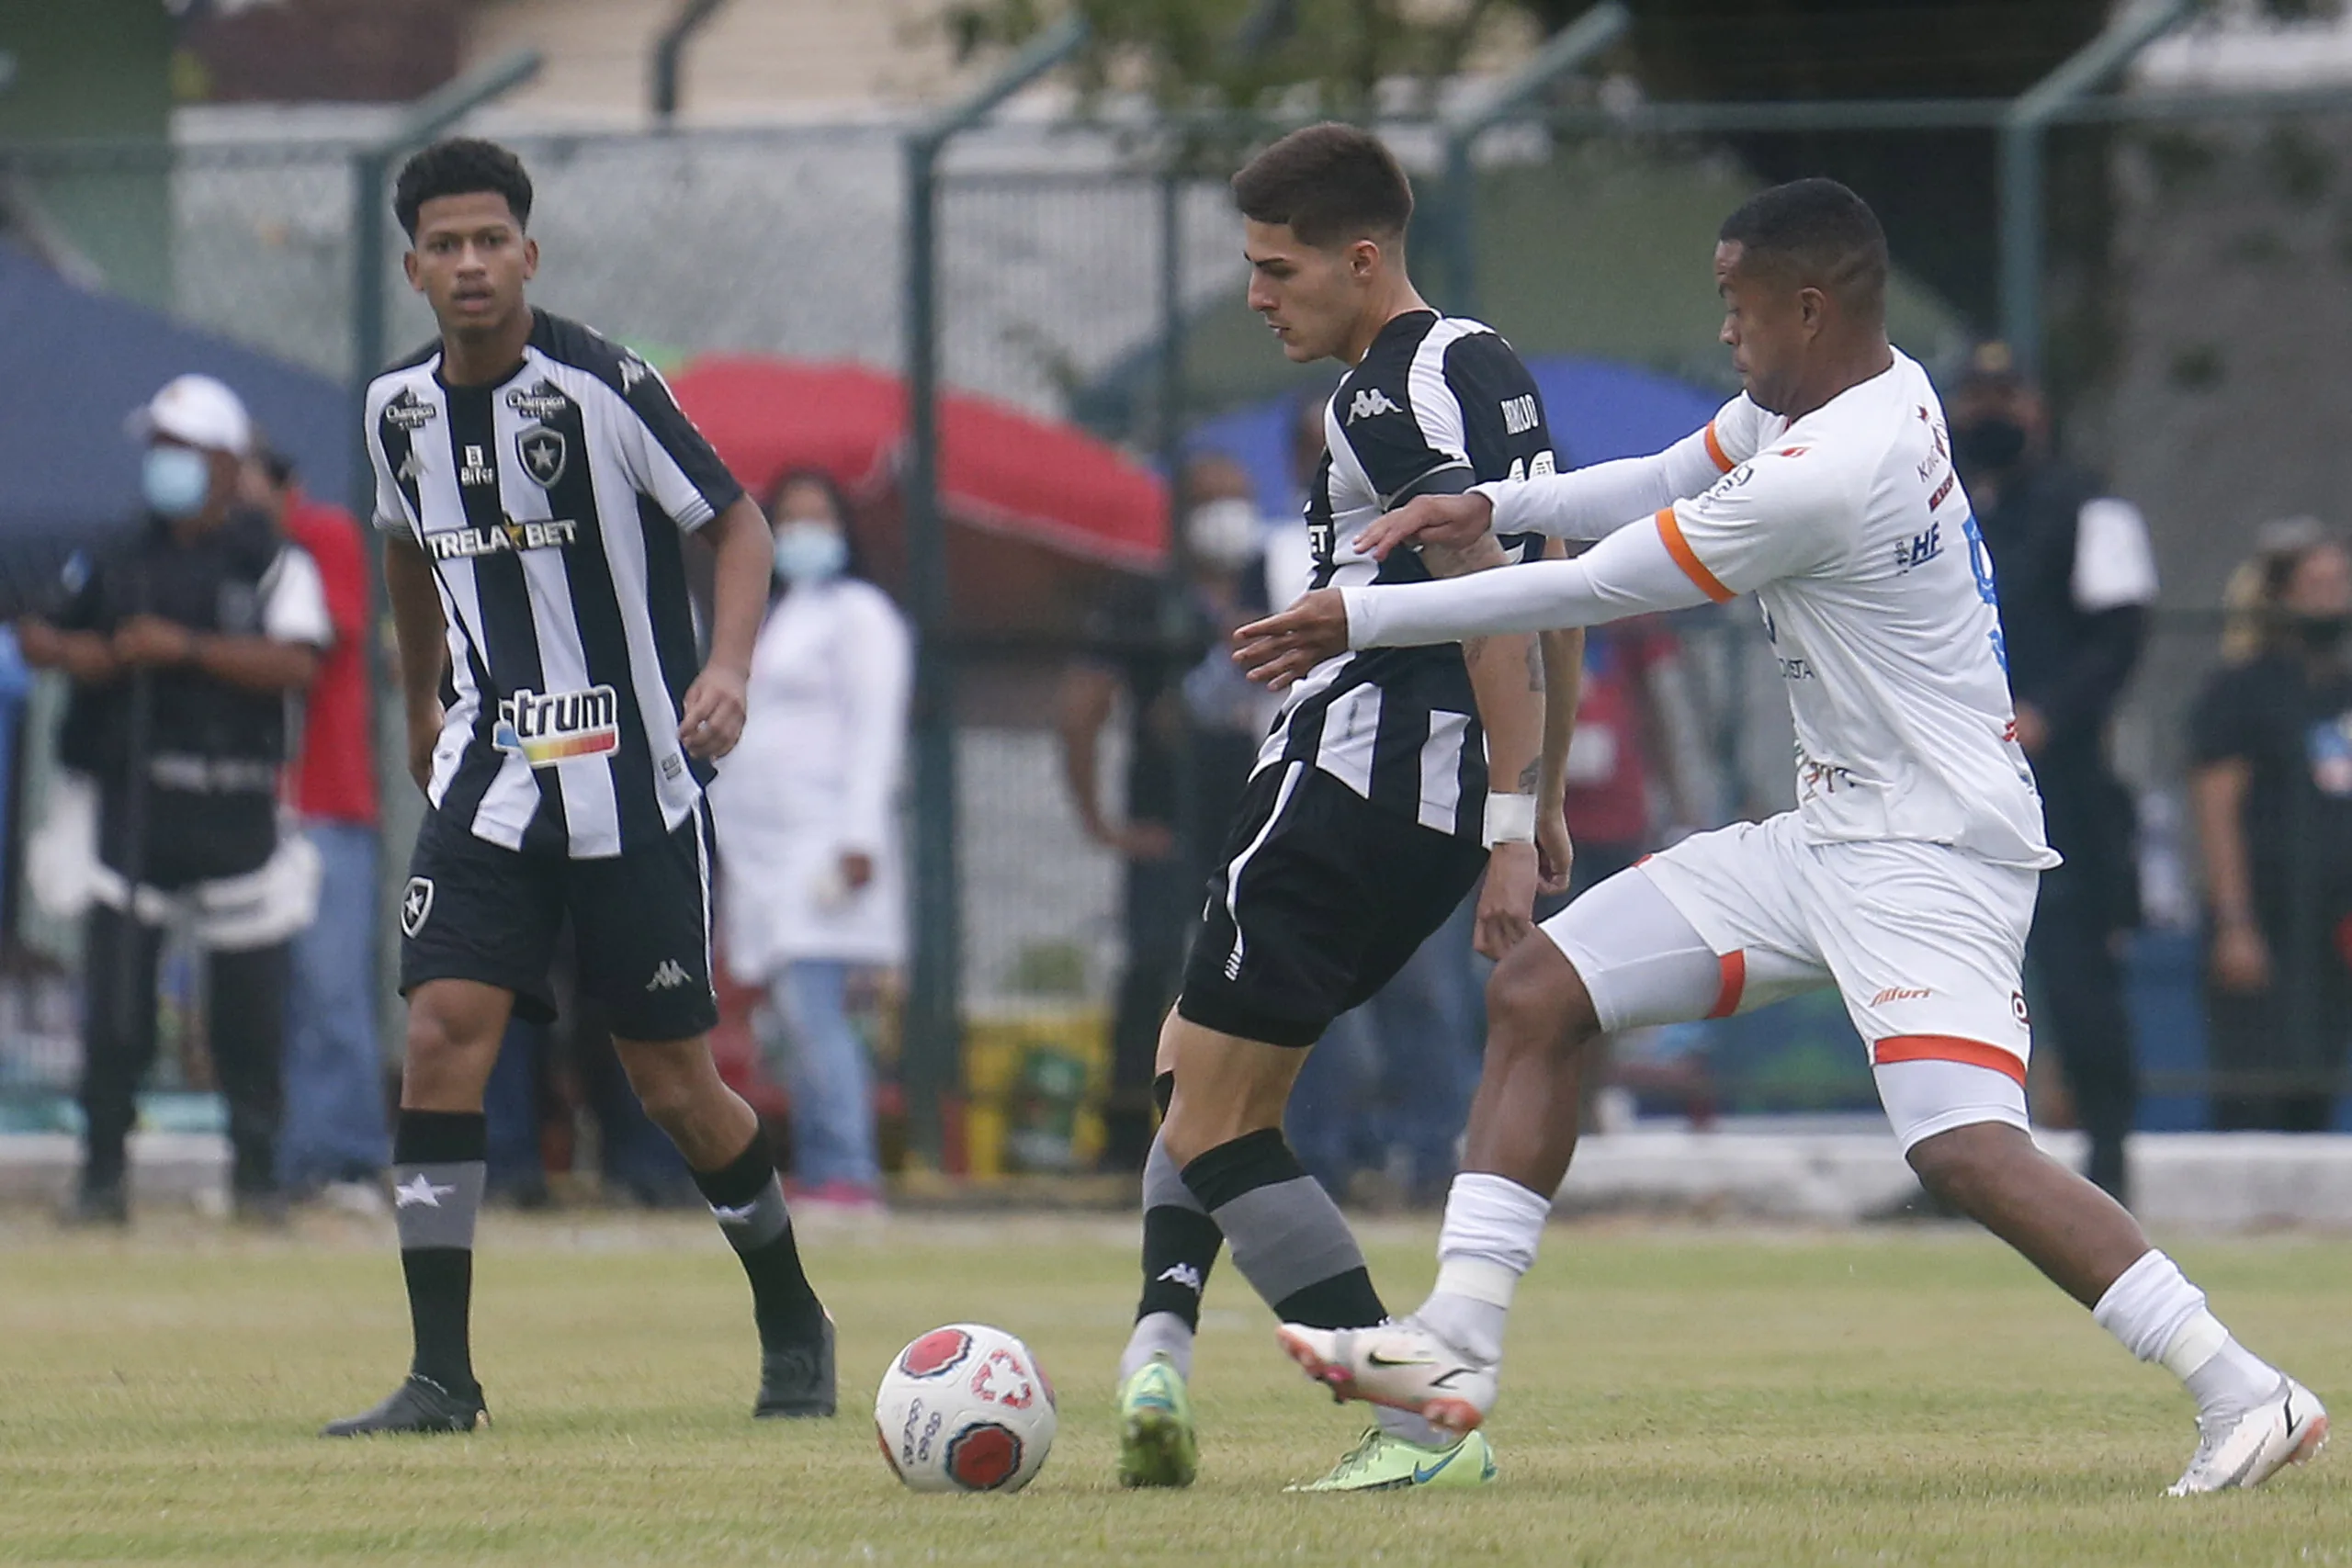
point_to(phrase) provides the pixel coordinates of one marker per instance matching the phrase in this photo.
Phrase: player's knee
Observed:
(1534, 1002)
(1954, 1165)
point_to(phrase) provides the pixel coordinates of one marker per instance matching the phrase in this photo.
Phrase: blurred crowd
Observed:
(218, 796)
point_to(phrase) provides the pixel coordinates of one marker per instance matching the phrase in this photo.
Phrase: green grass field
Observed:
(1675, 1396)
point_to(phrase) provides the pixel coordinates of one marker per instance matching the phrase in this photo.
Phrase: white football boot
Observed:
(2286, 1429)
(1401, 1365)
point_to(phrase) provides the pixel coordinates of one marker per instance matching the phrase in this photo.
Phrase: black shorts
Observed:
(1320, 899)
(640, 921)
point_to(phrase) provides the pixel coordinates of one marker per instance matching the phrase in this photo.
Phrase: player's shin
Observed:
(1180, 1246)
(437, 1175)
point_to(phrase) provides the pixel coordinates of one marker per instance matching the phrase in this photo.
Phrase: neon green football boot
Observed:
(1382, 1463)
(1156, 1443)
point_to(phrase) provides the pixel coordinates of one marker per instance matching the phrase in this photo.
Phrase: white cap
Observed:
(199, 410)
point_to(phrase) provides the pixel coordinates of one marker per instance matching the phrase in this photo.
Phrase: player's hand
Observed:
(153, 641)
(2241, 958)
(2033, 730)
(42, 645)
(423, 735)
(1506, 901)
(1556, 853)
(713, 717)
(1137, 841)
(1284, 647)
(1457, 522)
(857, 869)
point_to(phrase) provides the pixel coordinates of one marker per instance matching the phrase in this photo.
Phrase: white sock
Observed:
(2158, 1315)
(1488, 1240)
(1159, 1333)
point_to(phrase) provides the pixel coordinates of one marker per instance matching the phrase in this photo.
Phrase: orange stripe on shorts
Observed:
(1671, 530)
(1735, 972)
(1946, 1048)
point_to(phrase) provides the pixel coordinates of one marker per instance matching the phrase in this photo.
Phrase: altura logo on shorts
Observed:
(458, 544)
(557, 727)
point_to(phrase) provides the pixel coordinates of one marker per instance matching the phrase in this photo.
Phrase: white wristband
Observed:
(1511, 819)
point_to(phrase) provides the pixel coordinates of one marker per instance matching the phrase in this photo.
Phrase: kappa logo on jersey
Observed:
(475, 470)
(412, 467)
(1371, 403)
(543, 452)
(633, 370)
(456, 544)
(416, 904)
(545, 728)
(407, 412)
(669, 976)
(1519, 414)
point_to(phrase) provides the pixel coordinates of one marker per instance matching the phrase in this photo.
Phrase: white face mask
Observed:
(809, 552)
(1223, 534)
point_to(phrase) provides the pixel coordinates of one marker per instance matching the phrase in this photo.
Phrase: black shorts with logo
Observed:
(1320, 898)
(473, 910)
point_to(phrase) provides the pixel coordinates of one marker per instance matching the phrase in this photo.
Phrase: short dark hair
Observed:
(460, 166)
(1818, 233)
(1329, 183)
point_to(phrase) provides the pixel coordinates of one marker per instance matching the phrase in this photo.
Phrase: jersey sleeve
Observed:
(1406, 444)
(294, 601)
(2114, 565)
(390, 512)
(668, 459)
(1779, 514)
(2226, 723)
(1735, 434)
(1489, 405)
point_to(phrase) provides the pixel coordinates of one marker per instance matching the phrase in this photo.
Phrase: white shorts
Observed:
(1924, 944)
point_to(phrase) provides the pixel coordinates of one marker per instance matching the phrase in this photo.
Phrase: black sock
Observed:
(1179, 1242)
(748, 1202)
(1288, 1238)
(437, 1171)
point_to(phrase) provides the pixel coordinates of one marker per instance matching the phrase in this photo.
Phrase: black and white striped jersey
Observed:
(1439, 404)
(552, 507)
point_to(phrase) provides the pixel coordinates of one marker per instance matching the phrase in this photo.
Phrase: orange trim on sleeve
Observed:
(1735, 972)
(1688, 559)
(1716, 449)
(1947, 1048)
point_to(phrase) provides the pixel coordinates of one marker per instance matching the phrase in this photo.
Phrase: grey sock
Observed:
(1411, 1428)
(1159, 1334)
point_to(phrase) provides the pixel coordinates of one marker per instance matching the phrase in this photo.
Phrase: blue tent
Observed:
(75, 364)
(1599, 410)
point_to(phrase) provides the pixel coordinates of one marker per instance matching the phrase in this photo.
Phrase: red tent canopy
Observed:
(1038, 513)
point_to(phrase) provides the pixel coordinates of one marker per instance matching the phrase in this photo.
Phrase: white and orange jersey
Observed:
(1854, 533)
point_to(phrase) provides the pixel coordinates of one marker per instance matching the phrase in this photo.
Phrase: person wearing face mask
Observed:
(186, 642)
(2271, 741)
(1193, 723)
(807, 830)
(2076, 576)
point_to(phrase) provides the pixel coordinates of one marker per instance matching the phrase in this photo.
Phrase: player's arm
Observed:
(1560, 654)
(86, 657)
(1584, 504)
(712, 718)
(420, 639)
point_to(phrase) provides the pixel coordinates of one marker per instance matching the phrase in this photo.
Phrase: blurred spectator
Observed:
(807, 827)
(184, 639)
(2271, 741)
(1193, 727)
(2076, 576)
(334, 1143)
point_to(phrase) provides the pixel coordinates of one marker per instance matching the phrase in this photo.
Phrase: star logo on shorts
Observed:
(416, 904)
(418, 1190)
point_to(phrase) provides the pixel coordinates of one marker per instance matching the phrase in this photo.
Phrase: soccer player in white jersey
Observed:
(1905, 878)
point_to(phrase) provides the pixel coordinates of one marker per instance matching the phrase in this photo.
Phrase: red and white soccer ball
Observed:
(965, 1408)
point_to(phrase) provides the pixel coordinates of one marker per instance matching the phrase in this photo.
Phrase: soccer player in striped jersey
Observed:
(535, 484)
(1905, 878)
(1370, 815)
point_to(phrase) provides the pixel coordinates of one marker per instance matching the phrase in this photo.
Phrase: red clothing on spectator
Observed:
(335, 776)
(1609, 771)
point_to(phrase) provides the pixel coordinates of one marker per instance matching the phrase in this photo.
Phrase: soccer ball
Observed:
(965, 1408)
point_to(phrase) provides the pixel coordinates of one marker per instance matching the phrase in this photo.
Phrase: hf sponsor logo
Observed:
(545, 728)
(465, 543)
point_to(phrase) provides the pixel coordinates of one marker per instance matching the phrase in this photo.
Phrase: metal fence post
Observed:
(1567, 50)
(2024, 217)
(933, 1029)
